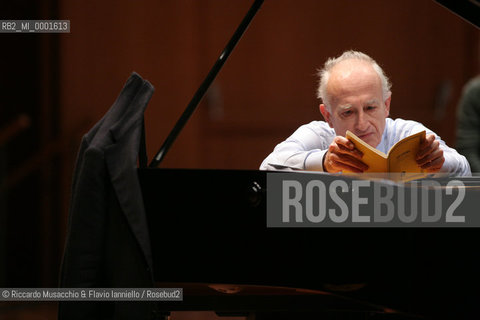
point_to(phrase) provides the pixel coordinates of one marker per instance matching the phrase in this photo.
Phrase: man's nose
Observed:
(362, 123)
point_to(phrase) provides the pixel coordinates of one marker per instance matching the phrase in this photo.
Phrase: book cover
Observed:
(399, 161)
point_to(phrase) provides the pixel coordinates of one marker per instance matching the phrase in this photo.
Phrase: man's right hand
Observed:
(343, 156)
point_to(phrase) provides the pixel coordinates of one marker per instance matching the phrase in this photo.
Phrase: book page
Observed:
(401, 157)
(375, 159)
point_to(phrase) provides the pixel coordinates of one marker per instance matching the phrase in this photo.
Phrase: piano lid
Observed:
(466, 9)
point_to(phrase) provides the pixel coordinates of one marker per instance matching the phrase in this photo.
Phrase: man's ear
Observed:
(387, 105)
(326, 114)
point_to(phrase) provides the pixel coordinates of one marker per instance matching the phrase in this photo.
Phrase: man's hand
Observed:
(342, 155)
(430, 156)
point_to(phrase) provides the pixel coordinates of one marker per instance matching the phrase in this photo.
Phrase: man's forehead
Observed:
(347, 68)
(350, 76)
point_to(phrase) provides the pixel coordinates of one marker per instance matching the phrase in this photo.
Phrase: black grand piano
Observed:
(208, 235)
(214, 222)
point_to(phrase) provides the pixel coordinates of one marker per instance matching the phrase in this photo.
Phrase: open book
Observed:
(399, 162)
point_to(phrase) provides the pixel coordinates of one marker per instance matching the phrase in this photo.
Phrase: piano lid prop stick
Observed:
(206, 84)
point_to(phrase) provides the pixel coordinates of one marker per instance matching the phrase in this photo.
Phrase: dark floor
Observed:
(48, 311)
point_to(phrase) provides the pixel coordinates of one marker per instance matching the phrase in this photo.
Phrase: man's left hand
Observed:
(430, 156)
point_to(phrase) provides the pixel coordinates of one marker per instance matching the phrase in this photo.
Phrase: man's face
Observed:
(356, 102)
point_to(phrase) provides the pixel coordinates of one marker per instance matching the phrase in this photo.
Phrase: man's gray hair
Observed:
(324, 74)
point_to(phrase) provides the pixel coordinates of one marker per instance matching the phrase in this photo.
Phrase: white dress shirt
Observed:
(305, 148)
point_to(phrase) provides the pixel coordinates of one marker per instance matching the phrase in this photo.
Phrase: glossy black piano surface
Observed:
(209, 226)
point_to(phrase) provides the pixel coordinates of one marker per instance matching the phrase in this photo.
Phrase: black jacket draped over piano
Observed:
(107, 242)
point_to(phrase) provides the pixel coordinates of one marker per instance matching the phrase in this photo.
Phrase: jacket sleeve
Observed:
(84, 250)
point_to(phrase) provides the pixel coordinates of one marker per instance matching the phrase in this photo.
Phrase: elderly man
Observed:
(355, 95)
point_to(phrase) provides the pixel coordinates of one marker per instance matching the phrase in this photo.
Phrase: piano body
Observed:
(208, 227)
